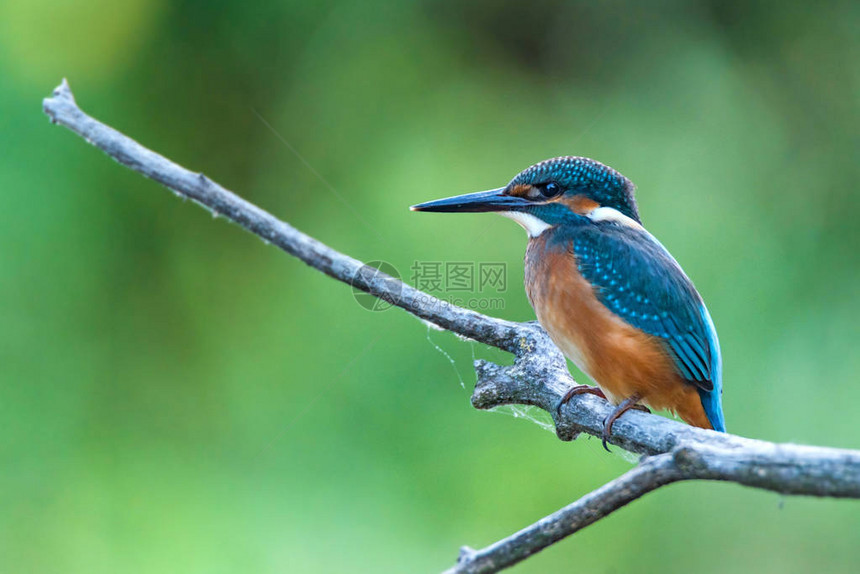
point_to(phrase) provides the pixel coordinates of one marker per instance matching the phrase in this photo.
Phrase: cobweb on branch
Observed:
(431, 326)
(532, 414)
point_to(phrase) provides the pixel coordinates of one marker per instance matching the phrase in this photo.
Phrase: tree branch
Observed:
(650, 474)
(538, 377)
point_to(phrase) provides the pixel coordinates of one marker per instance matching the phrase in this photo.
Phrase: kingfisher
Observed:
(607, 292)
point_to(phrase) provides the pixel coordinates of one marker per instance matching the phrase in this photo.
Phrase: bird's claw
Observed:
(626, 405)
(607, 432)
(578, 390)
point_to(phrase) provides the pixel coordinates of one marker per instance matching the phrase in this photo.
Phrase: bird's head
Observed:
(550, 193)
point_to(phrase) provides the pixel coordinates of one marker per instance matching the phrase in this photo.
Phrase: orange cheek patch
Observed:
(579, 204)
(521, 190)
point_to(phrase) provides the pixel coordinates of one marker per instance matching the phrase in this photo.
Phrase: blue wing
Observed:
(637, 278)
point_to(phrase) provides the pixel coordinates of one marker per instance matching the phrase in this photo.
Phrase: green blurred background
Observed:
(176, 396)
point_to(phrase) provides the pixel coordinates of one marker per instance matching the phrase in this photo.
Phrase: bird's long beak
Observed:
(492, 200)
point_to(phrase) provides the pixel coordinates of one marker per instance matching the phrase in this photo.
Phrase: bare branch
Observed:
(652, 473)
(538, 377)
(785, 468)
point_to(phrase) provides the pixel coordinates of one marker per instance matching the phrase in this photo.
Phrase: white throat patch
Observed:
(534, 226)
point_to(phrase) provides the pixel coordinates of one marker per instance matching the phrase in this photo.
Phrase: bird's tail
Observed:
(713, 403)
(712, 400)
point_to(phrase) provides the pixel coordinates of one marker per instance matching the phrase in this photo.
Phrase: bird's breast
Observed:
(563, 300)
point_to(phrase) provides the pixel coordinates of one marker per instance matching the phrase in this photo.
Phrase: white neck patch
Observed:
(610, 214)
(534, 226)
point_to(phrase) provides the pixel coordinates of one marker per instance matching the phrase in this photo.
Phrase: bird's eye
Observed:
(550, 189)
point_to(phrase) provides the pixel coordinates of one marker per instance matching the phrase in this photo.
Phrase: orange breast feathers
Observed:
(620, 359)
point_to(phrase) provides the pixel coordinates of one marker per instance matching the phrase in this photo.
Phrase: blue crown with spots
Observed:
(584, 176)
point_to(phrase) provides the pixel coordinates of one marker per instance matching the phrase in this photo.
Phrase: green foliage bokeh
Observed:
(177, 396)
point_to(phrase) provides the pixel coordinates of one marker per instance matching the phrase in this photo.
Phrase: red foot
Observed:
(631, 403)
(578, 390)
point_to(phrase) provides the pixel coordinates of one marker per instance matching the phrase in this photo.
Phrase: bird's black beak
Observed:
(493, 200)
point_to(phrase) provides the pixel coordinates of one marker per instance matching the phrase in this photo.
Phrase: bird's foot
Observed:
(578, 390)
(630, 403)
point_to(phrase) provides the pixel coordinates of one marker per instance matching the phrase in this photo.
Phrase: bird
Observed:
(607, 292)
